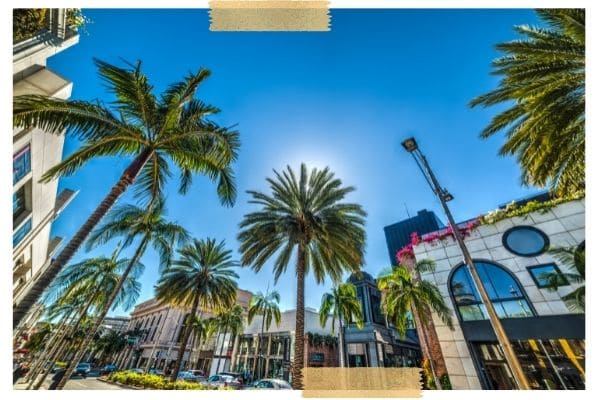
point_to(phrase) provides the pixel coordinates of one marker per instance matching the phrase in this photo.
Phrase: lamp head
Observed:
(447, 196)
(410, 144)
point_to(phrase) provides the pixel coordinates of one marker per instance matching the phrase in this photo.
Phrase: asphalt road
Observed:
(78, 384)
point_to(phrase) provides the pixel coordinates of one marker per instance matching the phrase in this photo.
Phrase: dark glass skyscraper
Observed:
(398, 235)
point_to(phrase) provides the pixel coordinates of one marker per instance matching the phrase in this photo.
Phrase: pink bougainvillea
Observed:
(406, 251)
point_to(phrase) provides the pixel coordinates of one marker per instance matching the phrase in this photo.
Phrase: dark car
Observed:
(83, 369)
(108, 368)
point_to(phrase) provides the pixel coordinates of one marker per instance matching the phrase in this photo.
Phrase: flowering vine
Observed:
(415, 239)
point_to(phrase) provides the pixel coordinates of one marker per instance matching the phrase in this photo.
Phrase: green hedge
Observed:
(156, 382)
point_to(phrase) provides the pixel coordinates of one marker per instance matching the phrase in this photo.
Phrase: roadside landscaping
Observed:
(145, 381)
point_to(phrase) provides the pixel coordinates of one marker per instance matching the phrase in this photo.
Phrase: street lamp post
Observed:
(411, 146)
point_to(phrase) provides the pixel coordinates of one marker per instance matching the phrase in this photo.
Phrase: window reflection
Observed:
(548, 364)
(501, 287)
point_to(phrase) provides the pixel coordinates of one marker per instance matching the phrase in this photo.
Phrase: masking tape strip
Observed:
(269, 15)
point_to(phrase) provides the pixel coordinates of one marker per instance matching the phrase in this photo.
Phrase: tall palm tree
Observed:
(153, 130)
(544, 82)
(305, 216)
(132, 222)
(574, 259)
(231, 322)
(202, 276)
(405, 295)
(343, 305)
(266, 305)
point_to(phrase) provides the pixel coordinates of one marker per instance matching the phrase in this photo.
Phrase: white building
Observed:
(36, 205)
(511, 257)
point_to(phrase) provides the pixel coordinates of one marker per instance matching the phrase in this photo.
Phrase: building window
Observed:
(525, 241)
(18, 203)
(316, 357)
(21, 232)
(548, 364)
(502, 289)
(544, 275)
(21, 163)
(376, 307)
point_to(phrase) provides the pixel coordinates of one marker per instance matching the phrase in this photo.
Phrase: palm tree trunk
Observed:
(341, 343)
(262, 332)
(297, 379)
(62, 342)
(49, 346)
(100, 317)
(21, 309)
(424, 342)
(221, 352)
(187, 329)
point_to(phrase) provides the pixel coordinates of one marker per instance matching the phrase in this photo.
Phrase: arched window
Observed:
(503, 290)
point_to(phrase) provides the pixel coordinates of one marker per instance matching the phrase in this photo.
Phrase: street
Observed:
(90, 383)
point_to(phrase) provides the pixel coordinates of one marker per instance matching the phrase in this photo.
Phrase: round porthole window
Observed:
(525, 241)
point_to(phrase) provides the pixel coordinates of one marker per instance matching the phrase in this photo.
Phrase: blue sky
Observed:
(344, 98)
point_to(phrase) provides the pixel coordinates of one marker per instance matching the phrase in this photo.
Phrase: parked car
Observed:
(271, 384)
(83, 369)
(198, 373)
(154, 371)
(108, 368)
(222, 380)
(187, 376)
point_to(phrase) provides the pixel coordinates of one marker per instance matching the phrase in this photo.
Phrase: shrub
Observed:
(147, 381)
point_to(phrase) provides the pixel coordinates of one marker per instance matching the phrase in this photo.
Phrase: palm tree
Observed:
(343, 305)
(153, 130)
(544, 80)
(202, 330)
(405, 295)
(574, 259)
(96, 278)
(229, 321)
(304, 215)
(109, 344)
(266, 305)
(202, 276)
(132, 222)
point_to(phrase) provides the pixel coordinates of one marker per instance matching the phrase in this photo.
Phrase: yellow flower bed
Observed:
(147, 381)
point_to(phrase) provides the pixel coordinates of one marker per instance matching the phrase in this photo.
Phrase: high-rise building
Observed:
(36, 205)
(398, 235)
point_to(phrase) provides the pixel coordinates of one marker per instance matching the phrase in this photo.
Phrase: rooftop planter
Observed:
(31, 22)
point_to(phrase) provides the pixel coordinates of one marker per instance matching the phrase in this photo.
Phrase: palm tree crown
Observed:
(544, 78)
(403, 294)
(148, 223)
(266, 305)
(173, 126)
(574, 259)
(341, 304)
(204, 270)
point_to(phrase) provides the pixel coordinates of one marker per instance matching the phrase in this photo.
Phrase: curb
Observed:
(120, 384)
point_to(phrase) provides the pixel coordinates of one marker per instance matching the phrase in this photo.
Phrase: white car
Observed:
(224, 381)
(271, 384)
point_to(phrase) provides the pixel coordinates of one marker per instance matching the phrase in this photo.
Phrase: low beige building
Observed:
(159, 342)
(36, 205)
